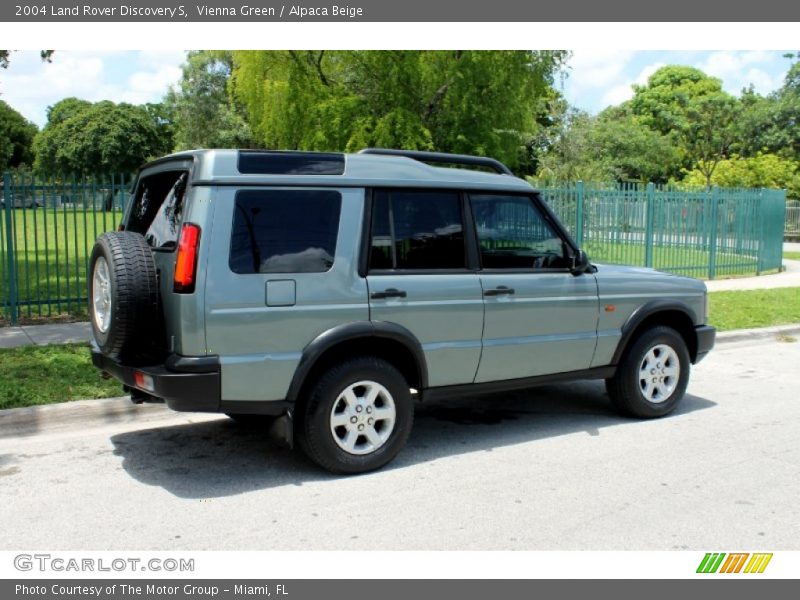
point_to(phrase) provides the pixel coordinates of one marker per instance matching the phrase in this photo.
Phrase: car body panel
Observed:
(548, 325)
(259, 345)
(623, 289)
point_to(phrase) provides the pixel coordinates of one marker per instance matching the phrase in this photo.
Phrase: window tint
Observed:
(158, 208)
(416, 230)
(166, 224)
(291, 163)
(284, 231)
(513, 234)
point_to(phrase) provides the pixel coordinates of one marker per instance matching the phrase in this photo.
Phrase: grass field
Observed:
(754, 308)
(52, 248)
(792, 255)
(33, 375)
(683, 261)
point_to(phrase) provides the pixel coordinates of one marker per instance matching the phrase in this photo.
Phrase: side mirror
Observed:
(580, 263)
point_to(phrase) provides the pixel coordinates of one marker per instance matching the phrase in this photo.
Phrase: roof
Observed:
(221, 167)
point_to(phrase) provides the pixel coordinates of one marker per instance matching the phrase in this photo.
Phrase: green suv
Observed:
(331, 292)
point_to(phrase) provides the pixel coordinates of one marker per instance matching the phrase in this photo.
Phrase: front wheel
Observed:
(652, 376)
(357, 417)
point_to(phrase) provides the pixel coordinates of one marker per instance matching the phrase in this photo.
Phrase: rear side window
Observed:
(158, 208)
(284, 231)
(417, 230)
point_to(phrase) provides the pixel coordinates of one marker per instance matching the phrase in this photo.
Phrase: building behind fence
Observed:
(48, 228)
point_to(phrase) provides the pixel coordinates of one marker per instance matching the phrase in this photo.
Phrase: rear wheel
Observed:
(357, 417)
(653, 374)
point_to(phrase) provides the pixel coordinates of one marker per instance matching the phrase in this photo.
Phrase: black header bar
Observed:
(271, 11)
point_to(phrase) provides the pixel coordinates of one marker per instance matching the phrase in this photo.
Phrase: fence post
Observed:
(648, 234)
(11, 270)
(712, 241)
(579, 195)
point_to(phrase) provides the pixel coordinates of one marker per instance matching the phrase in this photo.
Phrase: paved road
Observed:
(554, 469)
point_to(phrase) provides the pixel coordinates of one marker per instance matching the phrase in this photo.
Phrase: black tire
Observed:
(625, 388)
(133, 332)
(316, 436)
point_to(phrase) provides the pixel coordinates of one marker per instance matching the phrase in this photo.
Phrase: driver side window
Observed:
(513, 234)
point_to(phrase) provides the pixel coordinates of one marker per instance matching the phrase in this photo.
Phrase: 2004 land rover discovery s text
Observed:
(332, 291)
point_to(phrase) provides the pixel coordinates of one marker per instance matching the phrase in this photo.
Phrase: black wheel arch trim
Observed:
(645, 311)
(350, 332)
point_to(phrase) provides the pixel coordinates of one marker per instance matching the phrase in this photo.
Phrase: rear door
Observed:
(280, 272)
(418, 278)
(540, 319)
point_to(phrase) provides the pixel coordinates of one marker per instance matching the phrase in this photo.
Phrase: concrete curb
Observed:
(739, 335)
(23, 422)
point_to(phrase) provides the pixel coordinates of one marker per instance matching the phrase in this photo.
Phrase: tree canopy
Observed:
(201, 110)
(103, 137)
(16, 138)
(460, 101)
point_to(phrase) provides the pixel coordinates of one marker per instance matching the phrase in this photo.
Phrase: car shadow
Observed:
(220, 458)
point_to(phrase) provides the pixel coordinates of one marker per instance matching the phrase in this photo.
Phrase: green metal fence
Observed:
(47, 230)
(48, 227)
(792, 230)
(703, 233)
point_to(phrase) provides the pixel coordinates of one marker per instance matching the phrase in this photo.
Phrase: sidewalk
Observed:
(40, 335)
(788, 278)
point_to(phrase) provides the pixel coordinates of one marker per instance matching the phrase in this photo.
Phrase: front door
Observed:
(540, 318)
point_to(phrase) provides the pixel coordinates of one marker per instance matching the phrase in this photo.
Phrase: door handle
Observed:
(500, 290)
(388, 293)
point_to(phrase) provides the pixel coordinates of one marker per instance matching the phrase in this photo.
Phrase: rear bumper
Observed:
(705, 341)
(185, 383)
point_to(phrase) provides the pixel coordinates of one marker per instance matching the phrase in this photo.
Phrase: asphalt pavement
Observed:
(549, 469)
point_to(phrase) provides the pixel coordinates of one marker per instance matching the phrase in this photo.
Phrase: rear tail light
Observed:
(186, 261)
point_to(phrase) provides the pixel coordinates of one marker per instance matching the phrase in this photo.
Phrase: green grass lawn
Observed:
(32, 375)
(792, 255)
(683, 261)
(754, 308)
(52, 249)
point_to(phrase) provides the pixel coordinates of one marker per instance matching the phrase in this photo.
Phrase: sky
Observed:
(595, 79)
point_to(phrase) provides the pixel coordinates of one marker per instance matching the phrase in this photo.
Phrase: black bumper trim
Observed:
(188, 390)
(706, 335)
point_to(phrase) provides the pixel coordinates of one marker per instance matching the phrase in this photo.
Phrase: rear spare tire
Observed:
(123, 297)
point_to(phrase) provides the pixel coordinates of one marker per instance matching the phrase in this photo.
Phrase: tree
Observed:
(16, 138)
(202, 114)
(772, 123)
(687, 104)
(472, 102)
(572, 155)
(100, 138)
(5, 57)
(66, 108)
(762, 170)
(614, 145)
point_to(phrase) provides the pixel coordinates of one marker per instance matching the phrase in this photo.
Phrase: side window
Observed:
(284, 231)
(513, 234)
(417, 230)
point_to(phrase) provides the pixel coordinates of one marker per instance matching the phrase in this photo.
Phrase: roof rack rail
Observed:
(443, 157)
